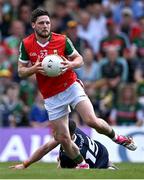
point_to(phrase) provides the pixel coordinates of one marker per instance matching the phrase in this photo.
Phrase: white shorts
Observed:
(59, 105)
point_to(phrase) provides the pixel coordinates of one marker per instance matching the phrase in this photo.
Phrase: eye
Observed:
(41, 23)
(44, 22)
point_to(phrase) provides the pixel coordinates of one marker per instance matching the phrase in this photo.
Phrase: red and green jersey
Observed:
(118, 41)
(127, 113)
(59, 44)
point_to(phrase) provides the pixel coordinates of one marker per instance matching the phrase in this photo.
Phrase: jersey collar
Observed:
(45, 44)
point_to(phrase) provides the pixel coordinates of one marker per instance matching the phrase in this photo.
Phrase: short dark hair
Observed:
(38, 12)
(72, 127)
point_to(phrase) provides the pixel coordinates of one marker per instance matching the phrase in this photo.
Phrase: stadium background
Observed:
(89, 24)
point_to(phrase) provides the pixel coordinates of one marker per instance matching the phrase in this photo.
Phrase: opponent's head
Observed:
(41, 24)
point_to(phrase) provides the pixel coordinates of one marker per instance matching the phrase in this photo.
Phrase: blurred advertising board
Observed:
(17, 144)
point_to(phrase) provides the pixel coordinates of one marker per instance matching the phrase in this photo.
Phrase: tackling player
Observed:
(94, 153)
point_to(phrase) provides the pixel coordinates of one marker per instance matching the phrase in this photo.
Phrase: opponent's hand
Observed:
(18, 166)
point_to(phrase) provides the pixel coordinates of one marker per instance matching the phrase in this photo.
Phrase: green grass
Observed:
(47, 171)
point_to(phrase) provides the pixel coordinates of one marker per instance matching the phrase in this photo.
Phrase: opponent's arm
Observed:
(37, 155)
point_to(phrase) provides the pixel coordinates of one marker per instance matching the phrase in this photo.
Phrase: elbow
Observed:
(82, 63)
(77, 62)
(20, 74)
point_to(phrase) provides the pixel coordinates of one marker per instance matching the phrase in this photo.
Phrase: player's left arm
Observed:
(74, 60)
(37, 155)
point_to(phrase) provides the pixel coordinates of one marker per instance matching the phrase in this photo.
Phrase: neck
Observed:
(43, 40)
(112, 36)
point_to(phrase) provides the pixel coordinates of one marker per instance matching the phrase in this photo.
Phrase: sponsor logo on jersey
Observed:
(43, 53)
(32, 54)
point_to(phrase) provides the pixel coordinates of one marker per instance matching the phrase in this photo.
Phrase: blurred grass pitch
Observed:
(49, 171)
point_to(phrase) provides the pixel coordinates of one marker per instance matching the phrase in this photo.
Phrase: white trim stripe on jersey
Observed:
(24, 61)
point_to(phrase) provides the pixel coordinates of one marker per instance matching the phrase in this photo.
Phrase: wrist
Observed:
(73, 65)
(26, 163)
(33, 69)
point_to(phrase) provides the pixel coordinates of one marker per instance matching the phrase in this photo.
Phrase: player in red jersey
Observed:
(63, 91)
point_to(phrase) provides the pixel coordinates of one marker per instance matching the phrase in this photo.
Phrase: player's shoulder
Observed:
(58, 36)
(29, 38)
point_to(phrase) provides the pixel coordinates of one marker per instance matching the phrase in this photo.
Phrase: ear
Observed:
(33, 25)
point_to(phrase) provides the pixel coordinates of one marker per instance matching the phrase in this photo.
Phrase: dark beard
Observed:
(42, 35)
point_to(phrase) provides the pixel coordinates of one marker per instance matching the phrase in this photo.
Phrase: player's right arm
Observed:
(24, 70)
(37, 155)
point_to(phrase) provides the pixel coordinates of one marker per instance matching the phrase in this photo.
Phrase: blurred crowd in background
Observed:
(109, 34)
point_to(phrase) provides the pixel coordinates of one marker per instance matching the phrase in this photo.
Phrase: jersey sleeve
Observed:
(69, 49)
(23, 56)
